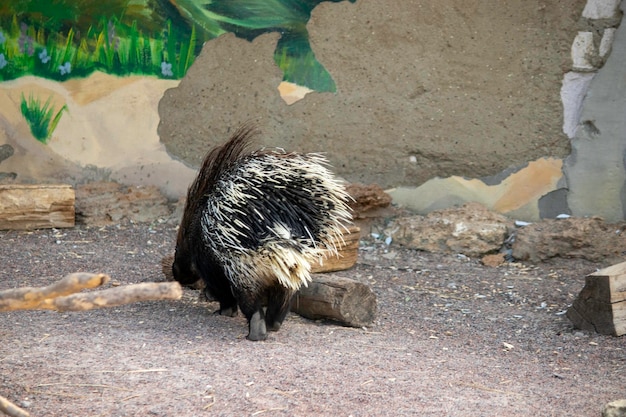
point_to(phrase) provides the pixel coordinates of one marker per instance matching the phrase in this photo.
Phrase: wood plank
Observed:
(27, 207)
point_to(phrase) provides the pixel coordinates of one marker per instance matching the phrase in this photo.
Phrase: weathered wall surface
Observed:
(515, 104)
(425, 89)
(595, 170)
(590, 181)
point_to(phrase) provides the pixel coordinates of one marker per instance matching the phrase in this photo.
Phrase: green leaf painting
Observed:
(62, 39)
(40, 117)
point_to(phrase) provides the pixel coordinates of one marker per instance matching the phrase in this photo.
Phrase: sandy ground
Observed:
(451, 338)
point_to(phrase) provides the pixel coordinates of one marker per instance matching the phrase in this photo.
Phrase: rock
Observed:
(615, 409)
(471, 230)
(588, 238)
(493, 260)
(370, 207)
(6, 151)
(367, 198)
(103, 203)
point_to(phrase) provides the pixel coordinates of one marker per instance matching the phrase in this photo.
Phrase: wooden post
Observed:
(601, 304)
(26, 207)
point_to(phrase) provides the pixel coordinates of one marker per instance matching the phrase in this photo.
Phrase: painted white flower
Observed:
(65, 68)
(43, 56)
(166, 69)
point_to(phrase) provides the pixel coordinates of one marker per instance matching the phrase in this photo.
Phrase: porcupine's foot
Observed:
(229, 311)
(273, 324)
(257, 329)
(279, 301)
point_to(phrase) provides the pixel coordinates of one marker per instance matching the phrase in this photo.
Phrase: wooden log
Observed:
(601, 304)
(346, 301)
(118, 296)
(27, 207)
(348, 247)
(12, 410)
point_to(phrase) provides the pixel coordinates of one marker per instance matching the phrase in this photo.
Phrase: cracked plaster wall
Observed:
(592, 179)
(437, 102)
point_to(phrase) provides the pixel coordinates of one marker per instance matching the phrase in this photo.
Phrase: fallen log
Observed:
(55, 296)
(27, 207)
(114, 297)
(344, 300)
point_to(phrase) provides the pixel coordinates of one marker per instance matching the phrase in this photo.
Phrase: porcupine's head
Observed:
(189, 239)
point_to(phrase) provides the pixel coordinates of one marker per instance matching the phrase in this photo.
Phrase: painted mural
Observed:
(85, 77)
(73, 38)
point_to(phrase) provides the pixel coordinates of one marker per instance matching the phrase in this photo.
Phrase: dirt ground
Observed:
(451, 338)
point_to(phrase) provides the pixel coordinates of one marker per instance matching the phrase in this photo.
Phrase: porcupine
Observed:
(253, 222)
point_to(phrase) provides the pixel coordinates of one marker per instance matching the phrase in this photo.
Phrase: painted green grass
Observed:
(41, 117)
(110, 47)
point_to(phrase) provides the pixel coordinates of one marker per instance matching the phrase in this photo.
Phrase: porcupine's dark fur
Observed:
(252, 224)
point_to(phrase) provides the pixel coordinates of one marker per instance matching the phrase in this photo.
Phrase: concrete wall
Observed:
(429, 93)
(519, 105)
(591, 180)
(595, 170)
